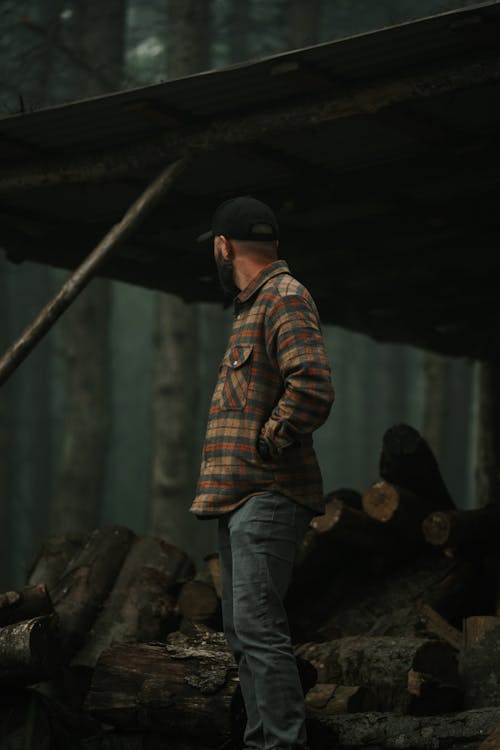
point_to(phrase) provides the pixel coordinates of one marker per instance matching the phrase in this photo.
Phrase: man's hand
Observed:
(263, 449)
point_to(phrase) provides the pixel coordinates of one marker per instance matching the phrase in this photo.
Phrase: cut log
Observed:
(29, 651)
(184, 688)
(387, 606)
(213, 564)
(390, 731)
(321, 578)
(32, 601)
(492, 741)
(399, 509)
(343, 523)
(468, 587)
(382, 664)
(199, 603)
(53, 558)
(347, 496)
(430, 696)
(80, 592)
(407, 461)
(340, 699)
(480, 662)
(470, 533)
(436, 625)
(139, 607)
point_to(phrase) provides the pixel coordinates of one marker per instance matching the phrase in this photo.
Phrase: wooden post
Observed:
(84, 273)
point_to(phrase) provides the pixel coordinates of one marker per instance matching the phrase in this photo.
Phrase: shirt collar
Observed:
(273, 269)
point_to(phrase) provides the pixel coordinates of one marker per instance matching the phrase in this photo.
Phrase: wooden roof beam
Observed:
(249, 127)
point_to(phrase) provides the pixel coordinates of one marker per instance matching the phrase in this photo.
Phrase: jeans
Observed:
(257, 544)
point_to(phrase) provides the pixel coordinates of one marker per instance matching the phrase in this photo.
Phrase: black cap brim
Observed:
(205, 236)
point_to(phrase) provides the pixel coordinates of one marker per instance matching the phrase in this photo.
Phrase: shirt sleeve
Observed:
(294, 342)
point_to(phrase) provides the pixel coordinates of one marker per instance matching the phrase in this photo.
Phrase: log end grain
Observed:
(436, 528)
(380, 501)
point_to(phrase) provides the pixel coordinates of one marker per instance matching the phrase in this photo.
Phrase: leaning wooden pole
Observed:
(84, 273)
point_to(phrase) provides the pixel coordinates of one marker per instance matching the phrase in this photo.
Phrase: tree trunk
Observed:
(174, 464)
(488, 449)
(435, 369)
(79, 496)
(79, 493)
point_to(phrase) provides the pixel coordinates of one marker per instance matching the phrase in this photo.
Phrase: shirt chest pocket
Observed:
(237, 365)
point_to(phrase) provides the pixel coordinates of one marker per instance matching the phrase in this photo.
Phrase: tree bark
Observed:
(330, 700)
(51, 561)
(32, 601)
(139, 606)
(185, 688)
(382, 664)
(469, 533)
(198, 602)
(454, 731)
(407, 461)
(480, 661)
(400, 510)
(29, 651)
(81, 591)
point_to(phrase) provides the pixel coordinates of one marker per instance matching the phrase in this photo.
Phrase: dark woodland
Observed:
(394, 606)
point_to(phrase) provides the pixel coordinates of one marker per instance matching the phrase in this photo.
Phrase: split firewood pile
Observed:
(394, 610)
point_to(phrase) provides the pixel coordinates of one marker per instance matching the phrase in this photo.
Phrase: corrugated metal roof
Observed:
(380, 153)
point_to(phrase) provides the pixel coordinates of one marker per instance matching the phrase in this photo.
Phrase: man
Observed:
(259, 473)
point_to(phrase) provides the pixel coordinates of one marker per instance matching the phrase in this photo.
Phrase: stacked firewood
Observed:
(393, 610)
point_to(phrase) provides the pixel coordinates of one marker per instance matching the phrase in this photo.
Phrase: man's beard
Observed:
(226, 275)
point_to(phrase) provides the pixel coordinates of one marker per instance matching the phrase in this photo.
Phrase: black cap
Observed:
(243, 218)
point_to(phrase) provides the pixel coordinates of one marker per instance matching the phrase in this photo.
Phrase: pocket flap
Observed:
(238, 355)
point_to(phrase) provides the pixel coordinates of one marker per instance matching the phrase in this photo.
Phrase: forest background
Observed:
(104, 422)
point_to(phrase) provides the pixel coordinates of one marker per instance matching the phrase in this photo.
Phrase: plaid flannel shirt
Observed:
(274, 382)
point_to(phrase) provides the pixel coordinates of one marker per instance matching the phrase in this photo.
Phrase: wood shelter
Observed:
(379, 152)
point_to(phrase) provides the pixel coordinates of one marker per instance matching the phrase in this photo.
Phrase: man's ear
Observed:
(227, 248)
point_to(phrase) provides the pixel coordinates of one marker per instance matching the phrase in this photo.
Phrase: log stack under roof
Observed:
(394, 611)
